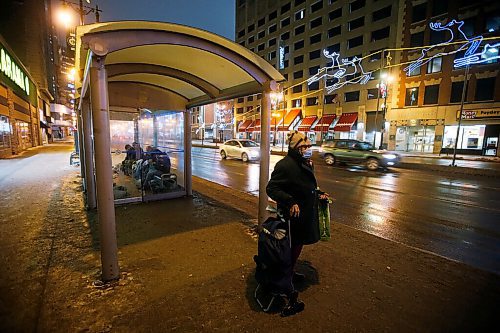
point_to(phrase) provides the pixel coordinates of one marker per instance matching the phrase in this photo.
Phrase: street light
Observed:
(382, 90)
(276, 115)
(80, 8)
(276, 99)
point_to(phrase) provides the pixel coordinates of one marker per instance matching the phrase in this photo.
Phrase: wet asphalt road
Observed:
(457, 217)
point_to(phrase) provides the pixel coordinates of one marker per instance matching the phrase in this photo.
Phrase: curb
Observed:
(450, 169)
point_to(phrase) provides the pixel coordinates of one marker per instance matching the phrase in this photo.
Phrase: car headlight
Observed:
(389, 156)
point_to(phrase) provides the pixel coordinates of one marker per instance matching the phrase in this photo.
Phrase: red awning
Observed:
(345, 122)
(243, 126)
(273, 124)
(250, 127)
(323, 125)
(306, 123)
(256, 126)
(289, 119)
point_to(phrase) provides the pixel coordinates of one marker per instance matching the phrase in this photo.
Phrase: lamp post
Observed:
(382, 90)
(464, 91)
(276, 99)
(80, 8)
(275, 115)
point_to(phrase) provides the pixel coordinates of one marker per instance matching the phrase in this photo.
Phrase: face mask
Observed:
(307, 153)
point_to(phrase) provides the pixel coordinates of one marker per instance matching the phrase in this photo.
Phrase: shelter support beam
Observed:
(188, 172)
(88, 154)
(265, 126)
(103, 170)
(79, 135)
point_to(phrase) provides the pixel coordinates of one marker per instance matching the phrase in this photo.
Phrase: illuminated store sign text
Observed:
(13, 72)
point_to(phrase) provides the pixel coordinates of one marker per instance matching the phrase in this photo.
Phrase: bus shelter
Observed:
(136, 82)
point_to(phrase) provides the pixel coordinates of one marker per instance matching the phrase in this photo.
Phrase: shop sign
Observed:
(11, 70)
(479, 114)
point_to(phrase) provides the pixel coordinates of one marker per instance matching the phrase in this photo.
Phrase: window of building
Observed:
(357, 4)
(437, 37)
(299, 30)
(261, 22)
(271, 42)
(332, 1)
(313, 70)
(434, 66)
(439, 7)
(335, 31)
(271, 55)
(310, 101)
(273, 15)
(356, 23)
(381, 13)
(416, 71)
(261, 34)
(286, 7)
(485, 89)
(259, 96)
(351, 96)
(241, 100)
(298, 74)
(316, 22)
(419, 12)
(241, 33)
(251, 28)
(297, 89)
(299, 15)
(296, 103)
(299, 2)
(286, 63)
(261, 47)
(239, 110)
(330, 99)
(315, 39)
(285, 22)
(492, 23)
(298, 60)
(333, 48)
(285, 36)
(381, 34)
(331, 82)
(456, 91)
(411, 98)
(469, 27)
(313, 86)
(372, 93)
(354, 42)
(298, 45)
(375, 55)
(250, 98)
(335, 14)
(316, 6)
(417, 39)
(314, 54)
(251, 39)
(249, 108)
(242, 43)
(273, 28)
(431, 94)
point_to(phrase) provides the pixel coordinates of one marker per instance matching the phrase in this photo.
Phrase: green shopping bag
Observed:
(324, 219)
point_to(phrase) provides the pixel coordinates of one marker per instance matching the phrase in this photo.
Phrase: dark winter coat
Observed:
(293, 182)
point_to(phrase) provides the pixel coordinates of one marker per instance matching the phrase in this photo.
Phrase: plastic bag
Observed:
(324, 219)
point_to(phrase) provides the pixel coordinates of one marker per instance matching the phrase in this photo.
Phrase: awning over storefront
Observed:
(250, 127)
(43, 125)
(256, 127)
(243, 126)
(289, 119)
(345, 122)
(306, 123)
(323, 125)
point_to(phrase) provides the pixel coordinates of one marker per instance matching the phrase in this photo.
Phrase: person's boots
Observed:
(294, 305)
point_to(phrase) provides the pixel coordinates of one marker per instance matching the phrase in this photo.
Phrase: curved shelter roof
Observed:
(184, 65)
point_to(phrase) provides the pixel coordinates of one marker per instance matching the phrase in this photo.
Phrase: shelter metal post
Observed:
(103, 170)
(79, 136)
(188, 172)
(265, 126)
(88, 154)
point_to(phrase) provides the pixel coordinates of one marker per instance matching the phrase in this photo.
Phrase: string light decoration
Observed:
(340, 71)
(488, 54)
(454, 27)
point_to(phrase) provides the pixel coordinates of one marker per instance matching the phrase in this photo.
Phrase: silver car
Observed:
(246, 150)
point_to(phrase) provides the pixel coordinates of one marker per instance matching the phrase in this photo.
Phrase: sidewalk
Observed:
(464, 164)
(186, 266)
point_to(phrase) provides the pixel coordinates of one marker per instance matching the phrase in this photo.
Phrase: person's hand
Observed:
(294, 211)
(324, 196)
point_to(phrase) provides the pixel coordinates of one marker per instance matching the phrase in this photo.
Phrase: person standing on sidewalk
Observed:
(294, 187)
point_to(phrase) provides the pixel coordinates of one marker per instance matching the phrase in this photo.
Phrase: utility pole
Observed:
(464, 90)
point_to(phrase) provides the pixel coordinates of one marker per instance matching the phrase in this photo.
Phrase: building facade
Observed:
(292, 35)
(428, 99)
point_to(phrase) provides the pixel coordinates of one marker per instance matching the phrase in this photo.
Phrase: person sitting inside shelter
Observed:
(159, 163)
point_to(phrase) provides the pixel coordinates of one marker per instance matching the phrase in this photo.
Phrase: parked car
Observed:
(357, 152)
(244, 149)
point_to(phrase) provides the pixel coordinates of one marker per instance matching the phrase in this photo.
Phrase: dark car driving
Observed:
(357, 152)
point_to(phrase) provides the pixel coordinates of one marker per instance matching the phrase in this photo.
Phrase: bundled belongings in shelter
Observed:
(274, 267)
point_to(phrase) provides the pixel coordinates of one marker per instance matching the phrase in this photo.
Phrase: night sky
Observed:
(216, 16)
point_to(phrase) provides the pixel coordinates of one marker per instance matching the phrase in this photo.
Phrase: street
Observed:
(453, 216)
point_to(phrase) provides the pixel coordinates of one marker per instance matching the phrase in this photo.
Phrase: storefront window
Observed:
(470, 137)
(415, 138)
(5, 132)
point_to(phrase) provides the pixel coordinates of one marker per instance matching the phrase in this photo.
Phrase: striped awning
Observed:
(345, 122)
(256, 126)
(243, 125)
(306, 123)
(290, 117)
(323, 125)
(250, 127)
